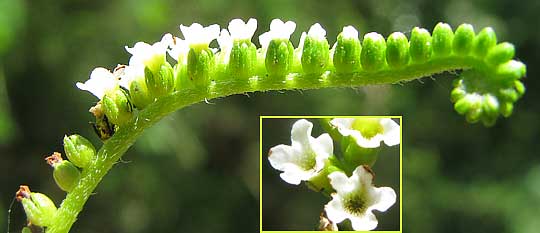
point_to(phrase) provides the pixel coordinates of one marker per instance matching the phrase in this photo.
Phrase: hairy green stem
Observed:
(113, 149)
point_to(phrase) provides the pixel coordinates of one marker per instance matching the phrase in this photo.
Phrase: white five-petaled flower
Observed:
(315, 31)
(151, 56)
(356, 198)
(101, 80)
(306, 155)
(197, 35)
(278, 30)
(369, 132)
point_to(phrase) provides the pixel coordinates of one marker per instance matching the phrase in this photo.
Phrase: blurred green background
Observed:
(196, 171)
(291, 207)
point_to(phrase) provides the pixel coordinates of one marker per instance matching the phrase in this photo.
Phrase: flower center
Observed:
(355, 203)
(307, 160)
(368, 127)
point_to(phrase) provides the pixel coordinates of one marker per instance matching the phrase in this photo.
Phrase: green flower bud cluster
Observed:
(487, 88)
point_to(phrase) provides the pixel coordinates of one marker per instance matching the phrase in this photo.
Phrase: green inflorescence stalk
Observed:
(488, 87)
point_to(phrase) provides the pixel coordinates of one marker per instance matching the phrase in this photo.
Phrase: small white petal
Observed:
(101, 80)
(179, 49)
(365, 222)
(362, 176)
(196, 34)
(349, 32)
(334, 209)
(341, 123)
(264, 40)
(280, 155)
(317, 32)
(391, 132)
(340, 182)
(385, 198)
(278, 30)
(322, 146)
(301, 132)
(241, 30)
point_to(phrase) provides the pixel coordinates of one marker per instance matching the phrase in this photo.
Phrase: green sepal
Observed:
(373, 56)
(500, 53)
(139, 94)
(443, 36)
(66, 175)
(79, 150)
(397, 50)
(355, 155)
(484, 41)
(243, 59)
(160, 83)
(279, 57)
(200, 66)
(347, 54)
(463, 39)
(420, 45)
(117, 106)
(40, 209)
(315, 55)
(510, 71)
(330, 129)
(320, 182)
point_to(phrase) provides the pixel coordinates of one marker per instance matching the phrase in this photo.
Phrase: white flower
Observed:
(356, 197)
(101, 80)
(306, 155)
(151, 56)
(178, 49)
(242, 31)
(369, 132)
(278, 30)
(197, 35)
(315, 32)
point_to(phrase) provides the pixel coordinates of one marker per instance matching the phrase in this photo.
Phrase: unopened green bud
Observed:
(373, 55)
(463, 39)
(520, 88)
(315, 54)
(490, 106)
(506, 109)
(347, 51)
(420, 45)
(509, 94)
(200, 66)
(65, 173)
(117, 106)
(79, 150)
(397, 50)
(484, 41)
(279, 57)
(510, 71)
(500, 53)
(39, 208)
(473, 115)
(243, 59)
(457, 94)
(443, 36)
(140, 96)
(160, 83)
(468, 103)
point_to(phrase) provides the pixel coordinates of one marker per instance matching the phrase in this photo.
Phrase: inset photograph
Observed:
(331, 173)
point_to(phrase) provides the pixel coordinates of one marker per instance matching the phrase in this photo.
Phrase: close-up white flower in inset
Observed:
(197, 35)
(306, 155)
(278, 30)
(369, 132)
(151, 56)
(101, 80)
(242, 31)
(356, 198)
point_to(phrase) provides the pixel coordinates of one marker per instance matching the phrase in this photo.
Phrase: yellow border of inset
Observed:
(311, 117)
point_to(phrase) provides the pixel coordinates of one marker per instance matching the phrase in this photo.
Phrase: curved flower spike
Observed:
(356, 197)
(197, 35)
(101, 80)
(369, 132)
(305, 157)
(178, 49)
(151, 56)
(278, 30)
(241, 30)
